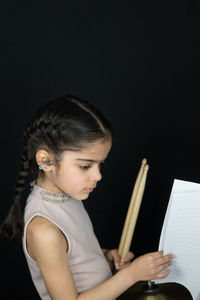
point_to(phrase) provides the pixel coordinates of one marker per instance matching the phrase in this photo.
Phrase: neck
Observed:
(46, 184)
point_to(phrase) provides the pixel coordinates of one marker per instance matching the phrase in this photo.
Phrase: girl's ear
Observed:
(43, 159)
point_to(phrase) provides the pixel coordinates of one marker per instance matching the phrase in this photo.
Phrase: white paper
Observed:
(181, 236)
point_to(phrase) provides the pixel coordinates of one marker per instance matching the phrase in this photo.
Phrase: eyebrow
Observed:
(90, 160)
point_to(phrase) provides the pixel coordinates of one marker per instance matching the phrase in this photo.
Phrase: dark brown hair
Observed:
(67, 123)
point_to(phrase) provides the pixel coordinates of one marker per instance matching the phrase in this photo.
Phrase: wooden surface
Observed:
(168, 291)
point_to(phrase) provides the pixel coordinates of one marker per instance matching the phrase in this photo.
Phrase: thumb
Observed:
(116, 258)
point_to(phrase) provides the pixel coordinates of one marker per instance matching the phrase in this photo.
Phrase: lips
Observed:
(89, 190)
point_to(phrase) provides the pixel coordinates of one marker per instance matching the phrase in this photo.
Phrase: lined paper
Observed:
(181, 236)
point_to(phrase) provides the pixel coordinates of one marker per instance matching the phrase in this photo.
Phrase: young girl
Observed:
(64, 146)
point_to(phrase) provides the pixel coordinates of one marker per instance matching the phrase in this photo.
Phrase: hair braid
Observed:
(12, 227)
(23, 174)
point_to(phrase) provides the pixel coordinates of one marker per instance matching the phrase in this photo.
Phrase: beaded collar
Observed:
(55, 197)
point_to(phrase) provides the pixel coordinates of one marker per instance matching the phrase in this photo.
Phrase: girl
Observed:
(64, 146)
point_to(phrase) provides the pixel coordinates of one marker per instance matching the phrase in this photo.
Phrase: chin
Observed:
(79, 197)
(84, 197)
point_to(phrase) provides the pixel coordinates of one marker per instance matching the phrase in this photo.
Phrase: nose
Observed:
(96, 174)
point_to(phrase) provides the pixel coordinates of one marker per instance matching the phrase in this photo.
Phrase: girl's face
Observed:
(79, 171)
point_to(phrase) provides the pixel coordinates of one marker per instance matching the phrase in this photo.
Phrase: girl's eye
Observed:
(85, 167)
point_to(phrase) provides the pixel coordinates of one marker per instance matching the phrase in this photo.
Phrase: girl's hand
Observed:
(150, 266)
(115, 261)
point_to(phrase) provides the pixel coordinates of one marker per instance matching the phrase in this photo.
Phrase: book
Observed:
(180, 235)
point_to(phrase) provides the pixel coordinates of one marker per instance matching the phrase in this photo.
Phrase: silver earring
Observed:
(44, 165)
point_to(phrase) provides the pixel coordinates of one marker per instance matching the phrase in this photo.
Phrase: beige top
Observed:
(87, 262)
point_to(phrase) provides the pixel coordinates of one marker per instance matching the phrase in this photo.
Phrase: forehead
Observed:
(97, 150)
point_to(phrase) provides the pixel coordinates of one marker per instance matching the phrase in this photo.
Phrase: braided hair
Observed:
(67, 123)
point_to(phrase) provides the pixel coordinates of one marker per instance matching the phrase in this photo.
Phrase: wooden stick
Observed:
(134, 215)
(131, 204)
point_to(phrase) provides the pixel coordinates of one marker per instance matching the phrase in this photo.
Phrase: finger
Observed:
(164, 266)
(157, 254)
(122, 266)
(116, 257)
(127, 258)
(162, 275)
(165, 259)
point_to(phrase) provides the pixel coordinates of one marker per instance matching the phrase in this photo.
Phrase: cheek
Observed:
(71, 176)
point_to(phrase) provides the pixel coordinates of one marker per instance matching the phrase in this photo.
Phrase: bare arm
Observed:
(48, 246)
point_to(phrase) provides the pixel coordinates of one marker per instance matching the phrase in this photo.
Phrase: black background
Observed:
(138, 61)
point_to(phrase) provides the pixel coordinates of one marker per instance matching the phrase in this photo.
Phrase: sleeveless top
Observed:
(86, 259)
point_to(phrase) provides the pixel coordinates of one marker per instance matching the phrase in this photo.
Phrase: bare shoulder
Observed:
(41, 235)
